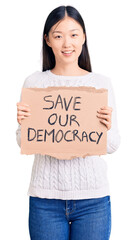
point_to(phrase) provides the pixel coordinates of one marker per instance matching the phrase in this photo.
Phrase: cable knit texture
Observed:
(79, 178)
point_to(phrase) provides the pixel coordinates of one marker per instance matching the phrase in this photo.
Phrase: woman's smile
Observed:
(67, 53)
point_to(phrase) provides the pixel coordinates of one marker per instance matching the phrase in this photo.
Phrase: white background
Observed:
(110, 27)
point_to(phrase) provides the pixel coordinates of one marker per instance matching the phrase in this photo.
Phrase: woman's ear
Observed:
(83, 39)
(47, 40)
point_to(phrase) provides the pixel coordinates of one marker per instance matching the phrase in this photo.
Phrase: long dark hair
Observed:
(48, 58)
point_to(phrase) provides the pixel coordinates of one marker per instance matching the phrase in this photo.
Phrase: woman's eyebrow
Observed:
(61, 32)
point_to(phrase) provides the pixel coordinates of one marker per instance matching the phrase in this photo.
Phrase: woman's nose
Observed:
(67, 42)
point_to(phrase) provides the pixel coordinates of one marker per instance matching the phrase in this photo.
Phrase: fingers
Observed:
(107, 107)
(19, 119)
(106, 123)
(23, 111)
(106, 110)
(23, 106)
(105, 115)
(21, 103)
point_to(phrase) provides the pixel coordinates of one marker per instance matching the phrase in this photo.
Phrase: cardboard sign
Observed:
(63, 122)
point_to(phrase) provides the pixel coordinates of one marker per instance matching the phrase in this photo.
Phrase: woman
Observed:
(69, 199)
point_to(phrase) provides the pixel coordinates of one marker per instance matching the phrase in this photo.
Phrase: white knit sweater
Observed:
(79, 178)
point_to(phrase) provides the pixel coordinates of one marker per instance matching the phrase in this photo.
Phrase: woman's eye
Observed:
(58, 36)
(74, 34)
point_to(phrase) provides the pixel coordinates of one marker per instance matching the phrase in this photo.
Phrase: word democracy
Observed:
(41, 135)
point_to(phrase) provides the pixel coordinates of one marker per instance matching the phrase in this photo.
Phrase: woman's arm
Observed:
(108, 116)
(113, 136)
(18, 131)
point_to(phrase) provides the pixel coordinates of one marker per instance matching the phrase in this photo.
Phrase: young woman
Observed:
(69, 199)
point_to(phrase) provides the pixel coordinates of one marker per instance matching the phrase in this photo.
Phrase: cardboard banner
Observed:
(63, 122)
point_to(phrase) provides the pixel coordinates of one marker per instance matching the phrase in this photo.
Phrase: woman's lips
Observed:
(68, 53)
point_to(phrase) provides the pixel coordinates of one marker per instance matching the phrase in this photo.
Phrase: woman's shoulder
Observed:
(101, 79)
(101, 76)
(34, 79)
(96, 75)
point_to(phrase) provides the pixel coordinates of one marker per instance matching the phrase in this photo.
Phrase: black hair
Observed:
(48, 58)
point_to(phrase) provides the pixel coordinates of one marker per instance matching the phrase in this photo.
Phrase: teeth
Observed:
(68, 52)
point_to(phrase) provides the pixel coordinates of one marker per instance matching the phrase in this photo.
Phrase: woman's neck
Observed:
(69, 70)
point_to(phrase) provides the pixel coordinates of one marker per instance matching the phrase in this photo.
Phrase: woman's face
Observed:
(66, 39)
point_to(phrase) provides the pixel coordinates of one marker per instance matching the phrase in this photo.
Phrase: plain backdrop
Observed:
(110, 27)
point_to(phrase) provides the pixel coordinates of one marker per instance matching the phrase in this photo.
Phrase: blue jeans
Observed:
(57, 219)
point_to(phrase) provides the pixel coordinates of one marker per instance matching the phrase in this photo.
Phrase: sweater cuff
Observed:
(18, 135)
(113, 141)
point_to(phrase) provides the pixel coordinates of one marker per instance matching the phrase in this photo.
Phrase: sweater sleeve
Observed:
(18, 131)
(113, 136)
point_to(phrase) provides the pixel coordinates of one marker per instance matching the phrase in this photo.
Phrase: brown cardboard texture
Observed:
(63, 122)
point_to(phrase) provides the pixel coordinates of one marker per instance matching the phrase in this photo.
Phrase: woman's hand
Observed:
(23, 111)
(105, 114)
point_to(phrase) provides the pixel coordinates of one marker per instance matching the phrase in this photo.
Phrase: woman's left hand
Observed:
(105, 114)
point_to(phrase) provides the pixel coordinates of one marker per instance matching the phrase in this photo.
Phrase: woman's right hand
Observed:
(23, 111)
